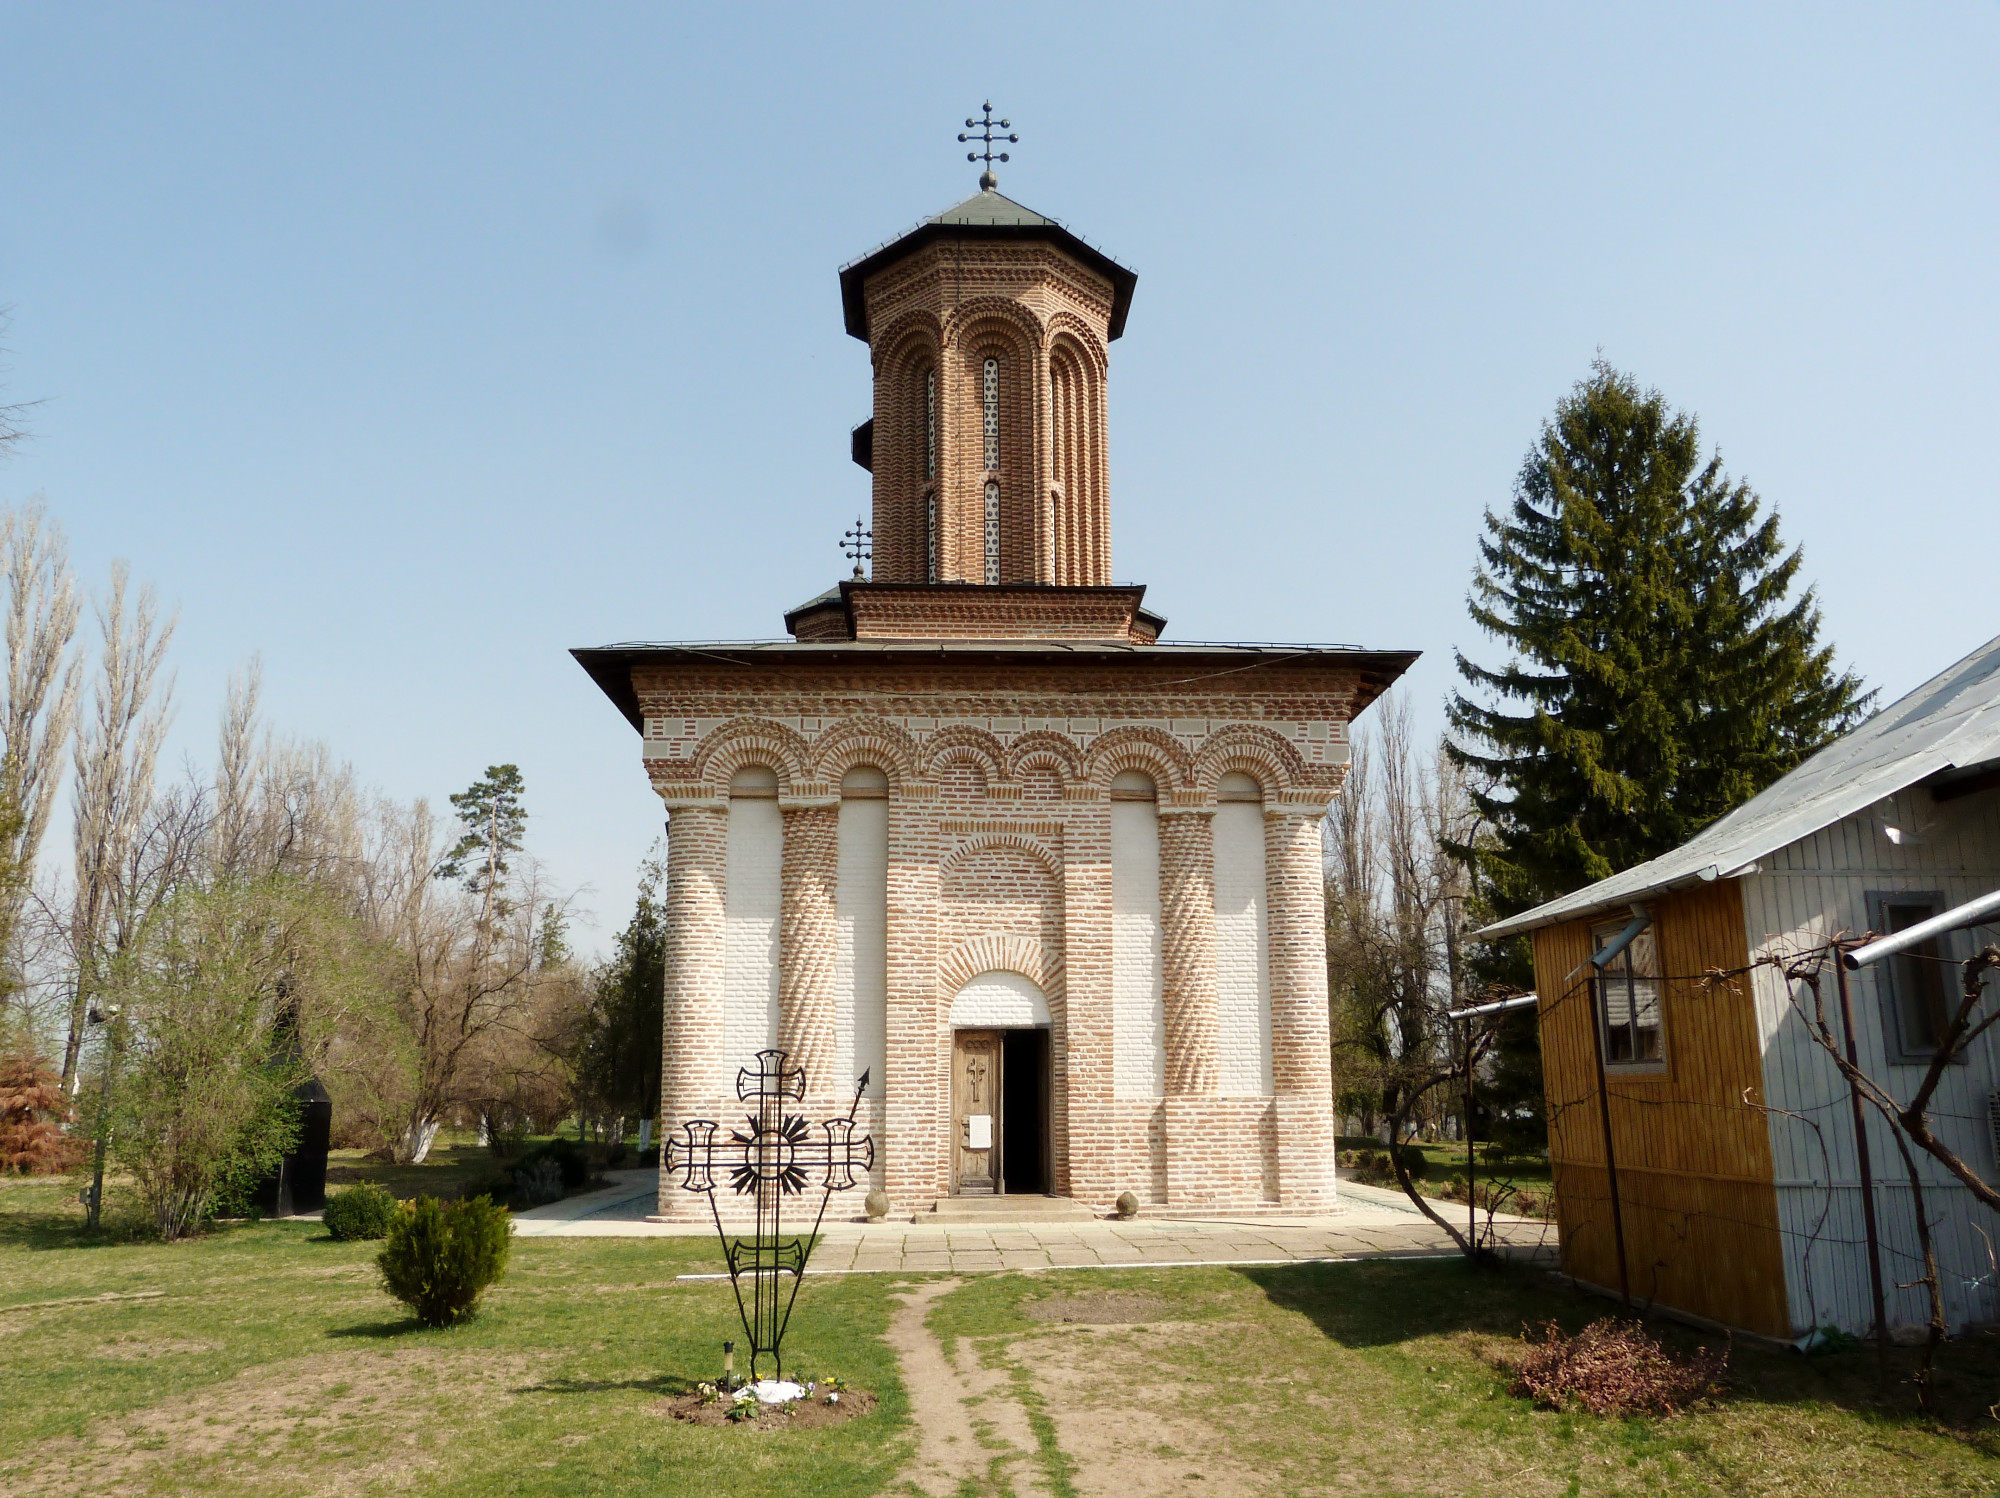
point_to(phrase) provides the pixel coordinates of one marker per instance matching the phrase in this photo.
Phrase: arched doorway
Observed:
(1000, 1088)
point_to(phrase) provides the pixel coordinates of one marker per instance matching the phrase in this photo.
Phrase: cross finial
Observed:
(986, 137)
(858, 545)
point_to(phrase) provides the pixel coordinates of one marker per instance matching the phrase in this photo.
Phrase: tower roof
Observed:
(984, 215)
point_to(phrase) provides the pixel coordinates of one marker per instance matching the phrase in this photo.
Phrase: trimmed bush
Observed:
(359, 1212)
(440, 1257)
(537, 1182)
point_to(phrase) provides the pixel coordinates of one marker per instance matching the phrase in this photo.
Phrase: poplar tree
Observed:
(1664, 666)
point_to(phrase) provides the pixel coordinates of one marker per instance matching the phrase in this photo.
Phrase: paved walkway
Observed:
(1371, 1224)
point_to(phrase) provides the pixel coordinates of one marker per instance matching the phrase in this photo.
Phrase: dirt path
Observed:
(969, 1427)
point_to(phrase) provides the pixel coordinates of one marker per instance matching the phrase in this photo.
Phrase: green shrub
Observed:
(537, 1182)
(571, 1163)
(440, 1257)
(363, 1211)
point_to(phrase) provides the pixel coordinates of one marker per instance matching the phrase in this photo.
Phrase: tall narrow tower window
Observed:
(992, 532)
(930, 425)
(930, 536)
(990, 388)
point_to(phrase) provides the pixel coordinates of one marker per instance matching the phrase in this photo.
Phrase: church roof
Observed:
(984, 215)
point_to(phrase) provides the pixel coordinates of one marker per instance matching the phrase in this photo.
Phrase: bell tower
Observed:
(988, 326)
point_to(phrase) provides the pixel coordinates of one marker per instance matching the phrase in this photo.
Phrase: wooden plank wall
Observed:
(1694, 1159)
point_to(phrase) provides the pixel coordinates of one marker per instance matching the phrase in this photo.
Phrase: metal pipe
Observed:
(1867, 1183)
(1494, 1008)
(1888, 946)
(1610, 1153)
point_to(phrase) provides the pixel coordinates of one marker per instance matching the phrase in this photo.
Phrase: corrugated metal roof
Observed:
(1951, 720)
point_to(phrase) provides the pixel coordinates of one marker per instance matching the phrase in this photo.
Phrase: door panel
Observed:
(975, 1112)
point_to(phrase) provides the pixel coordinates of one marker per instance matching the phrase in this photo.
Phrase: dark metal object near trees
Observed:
(299, 1183)
(776, 1158)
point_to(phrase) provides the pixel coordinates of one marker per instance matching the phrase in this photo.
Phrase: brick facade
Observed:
(1000, 717)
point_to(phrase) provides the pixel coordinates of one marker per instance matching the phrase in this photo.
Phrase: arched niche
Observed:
(999, 1000)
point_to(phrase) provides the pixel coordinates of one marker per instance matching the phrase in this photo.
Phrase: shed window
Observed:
(1628, 1001)
(1912, 983)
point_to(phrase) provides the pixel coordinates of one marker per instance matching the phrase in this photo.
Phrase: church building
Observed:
(1054, 885)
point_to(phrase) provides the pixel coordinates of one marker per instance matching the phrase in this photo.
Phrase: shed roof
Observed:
(984, 215)
(1950, 722)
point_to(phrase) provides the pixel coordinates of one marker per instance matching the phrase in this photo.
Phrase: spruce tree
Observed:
(1662, 670)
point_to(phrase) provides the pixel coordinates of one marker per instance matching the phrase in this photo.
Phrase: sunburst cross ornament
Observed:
(774, 1158)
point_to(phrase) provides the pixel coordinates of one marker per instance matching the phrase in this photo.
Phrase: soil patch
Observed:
(800, 1414)
(248, 1430)
(1112, 1308)
(134, 1350)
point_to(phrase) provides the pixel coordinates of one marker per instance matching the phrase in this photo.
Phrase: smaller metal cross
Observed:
(858, 546)
(986, 137)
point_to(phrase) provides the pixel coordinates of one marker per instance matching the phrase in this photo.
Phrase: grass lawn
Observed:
(263, 1359)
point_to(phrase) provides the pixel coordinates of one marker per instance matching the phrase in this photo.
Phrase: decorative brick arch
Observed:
(970, 316)
(753, 741)
(1005, 953)
(909, 342)
(961, 741)
(1067, 327)
(986, 842)
(1136, 747)
(1254, 750)
(1043, 749)
(865, 741)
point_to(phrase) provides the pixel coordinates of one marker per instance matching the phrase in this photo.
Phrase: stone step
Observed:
(978, 1209)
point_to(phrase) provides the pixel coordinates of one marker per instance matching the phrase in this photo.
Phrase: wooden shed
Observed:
(1729, 1130)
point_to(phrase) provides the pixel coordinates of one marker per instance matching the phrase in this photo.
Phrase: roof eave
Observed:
(854, 278)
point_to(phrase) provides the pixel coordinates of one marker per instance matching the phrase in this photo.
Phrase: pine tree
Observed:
(494, 819)
(619, 1066)
(1663, 671)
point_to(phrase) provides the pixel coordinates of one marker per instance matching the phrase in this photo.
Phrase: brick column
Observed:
(693, 915)
(807, 942)
(1301, 1058)
(1187, 949)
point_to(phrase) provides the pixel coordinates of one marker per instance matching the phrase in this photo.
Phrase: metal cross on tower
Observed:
(986, 137)
(858, 546)
(774, 1159)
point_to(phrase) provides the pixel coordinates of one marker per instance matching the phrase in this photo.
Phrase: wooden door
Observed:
(975, 1112)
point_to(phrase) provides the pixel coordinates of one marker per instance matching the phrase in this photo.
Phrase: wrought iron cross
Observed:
(774, 1159)
(986, 137)
(858, 545)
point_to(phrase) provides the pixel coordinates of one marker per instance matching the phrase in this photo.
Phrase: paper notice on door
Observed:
(979, 1131)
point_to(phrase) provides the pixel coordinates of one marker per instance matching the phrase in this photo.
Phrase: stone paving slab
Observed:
(1370, 1223)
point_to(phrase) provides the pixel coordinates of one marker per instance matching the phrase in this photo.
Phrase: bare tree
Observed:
(1396, 917)
(38, 708)
(116, 751)
(13, 418)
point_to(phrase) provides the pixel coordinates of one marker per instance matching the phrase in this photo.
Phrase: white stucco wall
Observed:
(750, 932)
(1138, 1016)
(861, 960)
(1242, 953)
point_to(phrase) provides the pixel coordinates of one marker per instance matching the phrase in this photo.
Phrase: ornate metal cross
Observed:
(986, 137)
(775, 1159)
(858, 546)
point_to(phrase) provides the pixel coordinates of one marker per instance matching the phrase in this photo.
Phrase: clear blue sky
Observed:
(412, 345)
